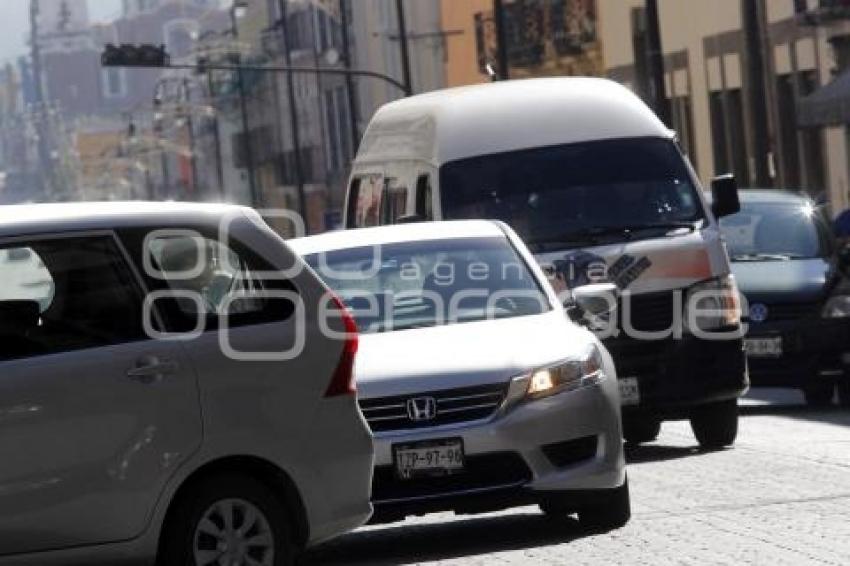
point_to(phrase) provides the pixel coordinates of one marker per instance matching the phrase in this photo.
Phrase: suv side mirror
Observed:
(724, 192)
(590, 302)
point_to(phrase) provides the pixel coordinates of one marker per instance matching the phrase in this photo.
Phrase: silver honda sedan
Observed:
(481, 392)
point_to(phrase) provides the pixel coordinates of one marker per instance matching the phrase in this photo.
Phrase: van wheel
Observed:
(819, 395)
(228, 519)
(715, 425)
(638, 431)
(844, 393)
(611, 509)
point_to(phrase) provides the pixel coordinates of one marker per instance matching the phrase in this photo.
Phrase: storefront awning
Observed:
(827, 106)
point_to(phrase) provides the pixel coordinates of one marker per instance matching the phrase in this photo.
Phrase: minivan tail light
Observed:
(343, 382)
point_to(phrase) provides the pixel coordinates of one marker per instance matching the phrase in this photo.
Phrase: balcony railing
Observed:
(824, 12)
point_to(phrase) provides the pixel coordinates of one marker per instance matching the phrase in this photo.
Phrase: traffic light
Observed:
(128, 55)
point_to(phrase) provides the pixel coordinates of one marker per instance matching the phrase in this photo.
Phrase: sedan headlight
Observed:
(713, 304)
(567, 375)
(837, 307)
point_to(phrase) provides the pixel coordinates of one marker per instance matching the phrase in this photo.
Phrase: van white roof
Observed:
(458, 123)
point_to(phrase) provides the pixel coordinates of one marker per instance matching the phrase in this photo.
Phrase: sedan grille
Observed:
(448, 407)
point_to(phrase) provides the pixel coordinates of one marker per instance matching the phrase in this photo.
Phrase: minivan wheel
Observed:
(715, 425)
(612, 509)
(638, 431)
(819, 395)
(229, 519)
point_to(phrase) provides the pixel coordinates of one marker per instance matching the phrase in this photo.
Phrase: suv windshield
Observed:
(577, 194)
(431, 283)
(773, 232)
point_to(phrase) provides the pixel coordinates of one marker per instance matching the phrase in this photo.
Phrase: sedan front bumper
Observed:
(569, 442)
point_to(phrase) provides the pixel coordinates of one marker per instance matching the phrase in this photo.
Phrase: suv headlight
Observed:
(837, 307)
(713, 304)
(567, 375)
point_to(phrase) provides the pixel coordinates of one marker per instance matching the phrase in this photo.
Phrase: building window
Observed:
(339, 148)
(727, 134)
(114, 82)
(802, 150)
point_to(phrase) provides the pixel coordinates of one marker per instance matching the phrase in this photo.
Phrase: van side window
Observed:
(353, 196)
(394, 202)
(424, 201)
(365, 202)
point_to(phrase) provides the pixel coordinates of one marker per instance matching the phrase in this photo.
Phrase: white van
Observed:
(598, 188)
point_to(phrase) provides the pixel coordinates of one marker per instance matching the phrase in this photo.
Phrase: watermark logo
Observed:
(211, 283)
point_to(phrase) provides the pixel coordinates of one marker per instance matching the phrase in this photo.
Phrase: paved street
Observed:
(782, 496)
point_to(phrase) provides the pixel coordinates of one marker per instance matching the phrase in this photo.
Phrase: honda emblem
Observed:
(422, 409)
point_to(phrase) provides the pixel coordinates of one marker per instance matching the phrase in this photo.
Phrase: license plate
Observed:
(429, 458)
(764, 347)
(629, 391)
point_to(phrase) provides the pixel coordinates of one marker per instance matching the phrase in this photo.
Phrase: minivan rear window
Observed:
(561, 193)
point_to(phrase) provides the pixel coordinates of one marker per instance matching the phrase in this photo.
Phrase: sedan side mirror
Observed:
(724, 193)
(592, 302)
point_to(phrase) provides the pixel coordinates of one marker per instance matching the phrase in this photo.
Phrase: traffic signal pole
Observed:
(243, 109)
(655, 59)
(110, 60)
(405, 48)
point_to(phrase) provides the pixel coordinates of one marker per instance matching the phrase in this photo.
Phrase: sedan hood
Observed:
(464, 355)
(794, 281)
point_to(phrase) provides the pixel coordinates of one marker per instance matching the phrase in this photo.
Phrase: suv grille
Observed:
(790, 311)
(452, 406)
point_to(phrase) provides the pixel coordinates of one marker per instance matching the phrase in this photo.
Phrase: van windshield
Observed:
(578, 194)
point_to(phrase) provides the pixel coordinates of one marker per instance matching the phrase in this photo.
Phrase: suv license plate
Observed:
(764, 347)
(428, 458)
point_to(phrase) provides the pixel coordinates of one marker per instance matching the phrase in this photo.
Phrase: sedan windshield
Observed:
(578, 194)
(772, 232)
(431, 283)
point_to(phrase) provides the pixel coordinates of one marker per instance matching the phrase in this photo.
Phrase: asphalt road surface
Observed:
(781, 496)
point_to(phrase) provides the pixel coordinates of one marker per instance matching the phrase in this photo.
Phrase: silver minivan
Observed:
(163, 395)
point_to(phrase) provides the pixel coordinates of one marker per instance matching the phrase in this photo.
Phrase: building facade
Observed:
(298, 133)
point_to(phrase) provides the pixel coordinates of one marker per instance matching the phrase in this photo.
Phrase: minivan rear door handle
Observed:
(152, 369)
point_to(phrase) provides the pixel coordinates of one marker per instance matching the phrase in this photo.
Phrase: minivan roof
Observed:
(27, 219)
(458, 123)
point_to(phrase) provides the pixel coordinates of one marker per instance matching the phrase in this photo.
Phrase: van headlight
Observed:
(568, 375)
(837, 307)
(713, 304)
